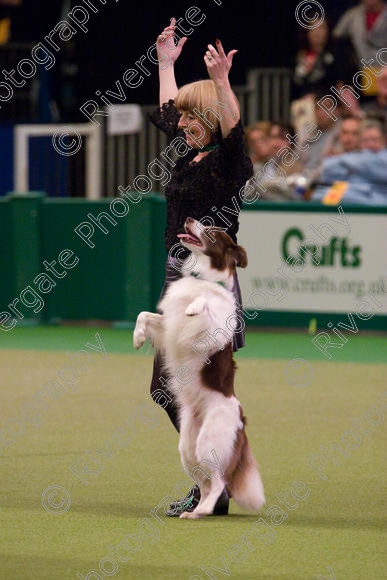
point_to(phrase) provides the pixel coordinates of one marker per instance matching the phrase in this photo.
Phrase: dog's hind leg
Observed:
(148, 325)
(215, 448)
(209, 494)
(189, 429)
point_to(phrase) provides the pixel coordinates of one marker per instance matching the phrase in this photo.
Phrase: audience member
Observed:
(357, 177)
(372, 136)
(347, 139)
(277, 134)
(275, 180)
(320, 63)
(312, 157)
(258, 142)
(378, 106)
(365, 26)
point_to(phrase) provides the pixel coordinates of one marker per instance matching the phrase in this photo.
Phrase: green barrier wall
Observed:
(121, 275)
(7, 271)
(20, 244)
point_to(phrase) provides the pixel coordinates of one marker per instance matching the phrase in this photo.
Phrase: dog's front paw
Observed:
(191, 310)
(196, 307)
(138, 337)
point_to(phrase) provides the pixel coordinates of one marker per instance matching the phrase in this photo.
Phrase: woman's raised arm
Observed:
(168, 52)
(218, 66)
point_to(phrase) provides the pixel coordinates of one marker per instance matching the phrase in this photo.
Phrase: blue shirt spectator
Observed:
(365, 171)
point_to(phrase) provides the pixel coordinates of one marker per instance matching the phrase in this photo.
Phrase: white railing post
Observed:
(94, 149)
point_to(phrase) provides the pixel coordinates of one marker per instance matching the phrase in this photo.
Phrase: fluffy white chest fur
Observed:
(197, 316)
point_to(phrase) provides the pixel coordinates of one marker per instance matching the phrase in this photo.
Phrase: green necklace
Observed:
(208, 148)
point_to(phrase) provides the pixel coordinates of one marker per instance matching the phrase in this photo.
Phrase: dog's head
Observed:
(213, 246)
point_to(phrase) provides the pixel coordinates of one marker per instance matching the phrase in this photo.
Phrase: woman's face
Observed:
(318, 36)
(197, 133)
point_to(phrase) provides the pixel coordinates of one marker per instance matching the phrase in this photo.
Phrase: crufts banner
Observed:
(314, 261)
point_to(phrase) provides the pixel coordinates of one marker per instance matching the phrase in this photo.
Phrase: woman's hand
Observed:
(217, 63)
(218, 66)
(166, 46)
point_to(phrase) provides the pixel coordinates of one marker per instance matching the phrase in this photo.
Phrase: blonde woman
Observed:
(207, 177)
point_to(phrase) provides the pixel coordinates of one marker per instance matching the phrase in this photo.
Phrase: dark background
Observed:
(265, 32)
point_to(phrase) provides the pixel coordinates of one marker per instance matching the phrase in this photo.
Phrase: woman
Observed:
(320, 63)
(210, 176)
(257, 137)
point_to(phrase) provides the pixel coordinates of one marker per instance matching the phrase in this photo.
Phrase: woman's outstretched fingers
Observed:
(220, 47)
(168, 31)
(209, 62)
(230, 56)
(166, 40)
(212, 50)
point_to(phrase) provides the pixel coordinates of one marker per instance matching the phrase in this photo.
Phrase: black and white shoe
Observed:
(189, 503)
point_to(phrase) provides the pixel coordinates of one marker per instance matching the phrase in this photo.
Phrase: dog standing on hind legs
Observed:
(197, 309)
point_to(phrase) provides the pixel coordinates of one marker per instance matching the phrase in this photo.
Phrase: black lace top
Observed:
(201, 189)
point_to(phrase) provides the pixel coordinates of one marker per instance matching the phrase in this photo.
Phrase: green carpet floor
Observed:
(336, 531)
(272, 345)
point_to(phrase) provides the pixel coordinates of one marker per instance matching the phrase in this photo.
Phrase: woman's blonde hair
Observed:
(200, 95)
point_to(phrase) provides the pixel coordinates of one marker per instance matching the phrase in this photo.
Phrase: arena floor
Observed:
(332, 526)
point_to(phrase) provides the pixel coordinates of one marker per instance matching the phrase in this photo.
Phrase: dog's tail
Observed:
(246, 486)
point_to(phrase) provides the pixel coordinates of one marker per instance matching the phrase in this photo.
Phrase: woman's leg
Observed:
(171, 274)
(157, 385)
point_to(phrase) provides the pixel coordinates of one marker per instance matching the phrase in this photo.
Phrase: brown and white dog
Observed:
(197, 309)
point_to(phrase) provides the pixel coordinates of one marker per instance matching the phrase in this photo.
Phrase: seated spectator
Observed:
(258, 143)
(276, 181)
(357, 177)
(378, 107)
(312, 157)
(365, 26)
(348, 138)
(372, 136)
(319, 64)
(277, 134)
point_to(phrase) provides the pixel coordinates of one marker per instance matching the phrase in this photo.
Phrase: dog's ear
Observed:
(240, 256)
